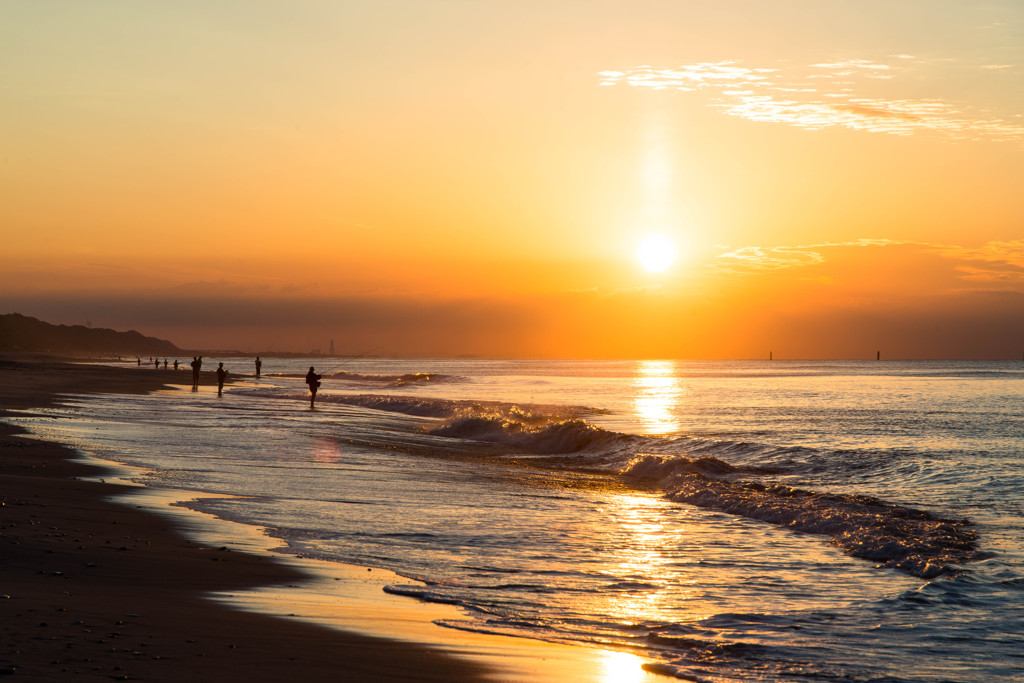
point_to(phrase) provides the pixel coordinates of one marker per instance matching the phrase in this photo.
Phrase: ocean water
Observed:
(726, 521)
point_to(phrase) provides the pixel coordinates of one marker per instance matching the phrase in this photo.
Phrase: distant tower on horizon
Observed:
(332, 347)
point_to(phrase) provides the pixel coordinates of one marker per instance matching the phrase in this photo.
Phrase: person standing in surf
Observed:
(259, 364)
(222, 374)
(313, 380)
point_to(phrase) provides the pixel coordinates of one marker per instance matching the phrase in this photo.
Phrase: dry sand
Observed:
(104, 590)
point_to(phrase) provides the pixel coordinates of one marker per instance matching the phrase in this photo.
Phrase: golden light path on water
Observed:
(657, 394)
(650, 553)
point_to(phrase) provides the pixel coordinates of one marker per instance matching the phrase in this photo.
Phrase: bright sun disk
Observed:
(656, 253)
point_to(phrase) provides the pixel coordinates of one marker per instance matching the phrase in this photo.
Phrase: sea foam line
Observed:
(913, 541)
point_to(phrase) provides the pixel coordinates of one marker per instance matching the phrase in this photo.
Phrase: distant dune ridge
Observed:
(22, 333)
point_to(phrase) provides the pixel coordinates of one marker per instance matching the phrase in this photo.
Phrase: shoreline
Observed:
(97, 587)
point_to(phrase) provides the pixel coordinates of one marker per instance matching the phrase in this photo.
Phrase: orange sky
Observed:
(452, 177)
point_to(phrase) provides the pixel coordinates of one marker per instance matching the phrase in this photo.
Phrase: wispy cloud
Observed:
(689, 77)
(998, 262)
(851, 66)
(1009, 250)
(823, 95)
(752, 259)
(896, 117)
(768, 258)
(995, 262)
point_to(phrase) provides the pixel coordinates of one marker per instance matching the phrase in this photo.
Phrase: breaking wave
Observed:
(736, 477)
(419, 407)
(394, 380)
(904, 538)
(529, 432)
(894, 536)
(382, 380)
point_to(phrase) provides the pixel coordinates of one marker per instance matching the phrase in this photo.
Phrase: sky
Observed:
(827, 179)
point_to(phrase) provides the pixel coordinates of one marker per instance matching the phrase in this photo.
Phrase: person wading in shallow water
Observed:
(313, 380)
(222, 374)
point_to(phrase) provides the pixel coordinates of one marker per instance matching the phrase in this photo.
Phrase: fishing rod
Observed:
(348, 360)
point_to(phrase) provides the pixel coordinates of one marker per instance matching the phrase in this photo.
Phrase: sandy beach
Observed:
(109, 590)
(96, 589)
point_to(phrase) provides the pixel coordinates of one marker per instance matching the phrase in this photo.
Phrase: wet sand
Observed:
(105, 590)
(101, 590)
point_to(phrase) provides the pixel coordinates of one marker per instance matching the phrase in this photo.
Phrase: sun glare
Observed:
(656, 253)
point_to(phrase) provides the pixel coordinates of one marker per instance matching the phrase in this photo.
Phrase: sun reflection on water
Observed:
(657, 394)
(646, 560)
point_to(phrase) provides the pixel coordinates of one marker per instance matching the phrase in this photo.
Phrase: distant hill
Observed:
(22, 333)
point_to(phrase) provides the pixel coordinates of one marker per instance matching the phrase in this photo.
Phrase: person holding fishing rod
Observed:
(313, 380)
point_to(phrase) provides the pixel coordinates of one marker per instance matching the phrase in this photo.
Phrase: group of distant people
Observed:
(156, 363)
(312, 378)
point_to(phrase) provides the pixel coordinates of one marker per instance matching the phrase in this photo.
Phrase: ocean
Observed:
(723, 520)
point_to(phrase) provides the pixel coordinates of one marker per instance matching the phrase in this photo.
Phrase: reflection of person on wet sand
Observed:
(313, 380)
(221, 376)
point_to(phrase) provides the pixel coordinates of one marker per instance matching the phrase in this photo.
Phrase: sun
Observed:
(656, 253)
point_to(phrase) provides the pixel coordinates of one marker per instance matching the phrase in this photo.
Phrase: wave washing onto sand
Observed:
(497, 619)
(701, 645)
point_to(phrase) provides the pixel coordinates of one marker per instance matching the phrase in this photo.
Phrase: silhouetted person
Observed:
(221, 376)
(175, 363)
(156, 363)
(313, 380)
(165, 363)
(140, 361)
(259, 364)
(197, 363)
